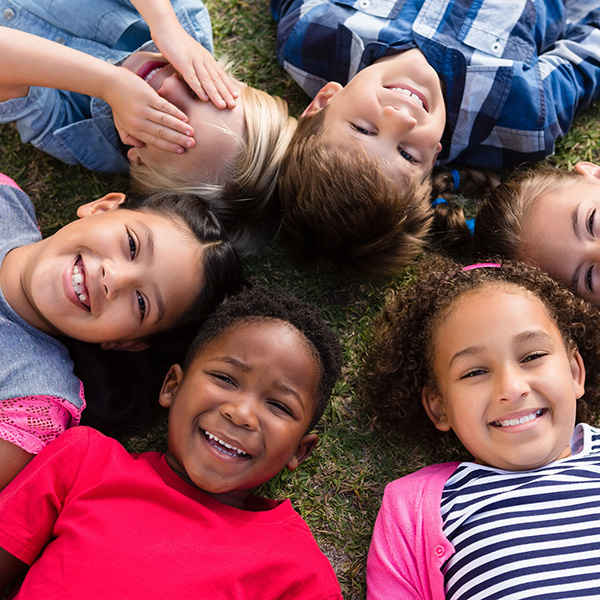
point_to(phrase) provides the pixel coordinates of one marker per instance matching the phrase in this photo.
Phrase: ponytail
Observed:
(451, 229)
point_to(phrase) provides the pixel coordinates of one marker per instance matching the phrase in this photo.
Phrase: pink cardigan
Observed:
(408, 547)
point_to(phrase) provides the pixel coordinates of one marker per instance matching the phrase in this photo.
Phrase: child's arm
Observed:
(141, 115)
(10, 569)
(195, 63)
(12, 460)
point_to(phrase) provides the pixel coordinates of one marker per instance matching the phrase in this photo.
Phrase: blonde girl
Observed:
(188, 124)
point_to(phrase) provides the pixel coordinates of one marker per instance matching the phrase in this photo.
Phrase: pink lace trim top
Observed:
(34, 421)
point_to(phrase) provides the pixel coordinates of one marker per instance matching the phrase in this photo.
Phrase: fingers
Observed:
(216, 86)
(168, 133)
(158, 129)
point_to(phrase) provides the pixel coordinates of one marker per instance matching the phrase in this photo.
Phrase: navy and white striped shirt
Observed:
(515, 71)
(526, 534)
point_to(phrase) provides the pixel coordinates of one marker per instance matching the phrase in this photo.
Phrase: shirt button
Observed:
(364, 4)
(9, 14)
(496, 47)
(439, 550)
(111, 61)
(60, 41)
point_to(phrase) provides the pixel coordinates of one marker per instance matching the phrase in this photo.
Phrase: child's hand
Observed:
(197, 66)
(143, 117)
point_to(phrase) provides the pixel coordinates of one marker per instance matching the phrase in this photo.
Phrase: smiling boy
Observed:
(426, 82)
(241, 409)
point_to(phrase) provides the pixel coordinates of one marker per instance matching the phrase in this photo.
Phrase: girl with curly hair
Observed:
(497, 354)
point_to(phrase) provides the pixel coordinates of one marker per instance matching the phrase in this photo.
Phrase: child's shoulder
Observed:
(420, 485)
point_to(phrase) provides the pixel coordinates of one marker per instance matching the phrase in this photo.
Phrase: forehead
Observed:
(274, 332)
(484, 306)
(219, 136)
(168, 253)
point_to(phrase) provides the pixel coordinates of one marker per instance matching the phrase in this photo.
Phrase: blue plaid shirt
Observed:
(514, 72)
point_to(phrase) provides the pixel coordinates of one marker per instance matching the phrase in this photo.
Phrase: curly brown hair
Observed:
(399, 363)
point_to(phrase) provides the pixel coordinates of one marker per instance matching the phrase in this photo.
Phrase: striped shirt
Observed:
(515, 72)
(526, 534)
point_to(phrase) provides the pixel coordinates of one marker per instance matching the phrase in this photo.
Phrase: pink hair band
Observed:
(481, 266)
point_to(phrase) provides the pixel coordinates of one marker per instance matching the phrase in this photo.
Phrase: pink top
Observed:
(408, 547)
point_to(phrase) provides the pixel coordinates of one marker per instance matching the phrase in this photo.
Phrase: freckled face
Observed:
(507, 386)
(214, 147)
(240, 413)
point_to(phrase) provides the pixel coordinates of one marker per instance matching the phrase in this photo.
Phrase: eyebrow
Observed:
(149, 243)
(240, 364)
(575, 224)
(536, 335)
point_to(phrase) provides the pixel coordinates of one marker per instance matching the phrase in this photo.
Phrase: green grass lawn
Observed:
(338, 490)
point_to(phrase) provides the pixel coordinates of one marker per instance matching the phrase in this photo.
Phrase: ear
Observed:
(588, 169)
(437, 151)
(125, 345)
(307, 444)
(104, 204)
(323, 98)
(170, 384)
(434, 407)
(578, 373)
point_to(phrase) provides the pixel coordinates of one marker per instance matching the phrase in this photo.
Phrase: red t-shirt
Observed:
(97, 522)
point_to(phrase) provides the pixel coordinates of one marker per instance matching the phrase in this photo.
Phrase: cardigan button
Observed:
(439, 550)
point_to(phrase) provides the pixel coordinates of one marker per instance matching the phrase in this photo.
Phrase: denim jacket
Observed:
(74, 128)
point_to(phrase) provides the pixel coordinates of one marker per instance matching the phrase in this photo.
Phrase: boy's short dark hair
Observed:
(257, 303)
(341, 206)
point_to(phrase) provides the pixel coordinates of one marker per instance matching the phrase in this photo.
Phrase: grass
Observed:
(339, 489)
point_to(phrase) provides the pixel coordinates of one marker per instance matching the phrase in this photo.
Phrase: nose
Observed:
(116, 277)
(176, 91)
(241, 411)
(401, 118)
(511, 384)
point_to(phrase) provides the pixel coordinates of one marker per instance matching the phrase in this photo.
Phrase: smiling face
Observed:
(114, 275)
(506, 384)
(239, 415)
(394, 110)
(562, 234)
(217, 131)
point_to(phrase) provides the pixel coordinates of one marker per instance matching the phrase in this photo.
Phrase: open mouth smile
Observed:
(521, 420)
(412, 94)
(78, 283)
(224, 447)
(150, 70)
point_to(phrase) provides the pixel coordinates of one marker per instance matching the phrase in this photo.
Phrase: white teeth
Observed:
(408, 94)
(520, 420)
(77, 281)
(214, 438)
(153, 72)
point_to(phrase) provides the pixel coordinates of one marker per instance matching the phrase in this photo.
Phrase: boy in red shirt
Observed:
(90, 518)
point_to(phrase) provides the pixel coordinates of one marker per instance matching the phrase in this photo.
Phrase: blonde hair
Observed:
(241, 199)
(341, 206)
(501, 219)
